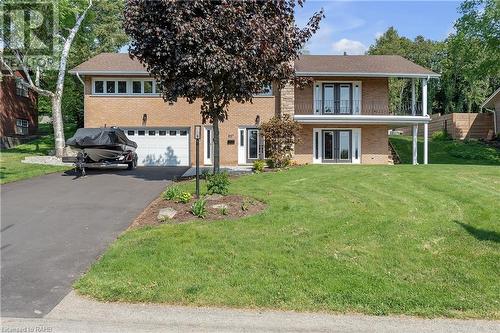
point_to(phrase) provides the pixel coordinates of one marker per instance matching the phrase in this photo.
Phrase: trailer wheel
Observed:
(132, 165)
(80, 164)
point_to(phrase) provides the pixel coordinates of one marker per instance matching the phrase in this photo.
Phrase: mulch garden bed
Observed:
(237, 207)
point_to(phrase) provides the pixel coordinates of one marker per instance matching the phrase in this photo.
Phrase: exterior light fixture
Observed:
(257, 120)
(144, 118)
(197, 132)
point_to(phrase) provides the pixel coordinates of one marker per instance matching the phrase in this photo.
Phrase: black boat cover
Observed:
(99, 137)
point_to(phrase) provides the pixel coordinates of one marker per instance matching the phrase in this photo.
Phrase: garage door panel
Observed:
(153, 149)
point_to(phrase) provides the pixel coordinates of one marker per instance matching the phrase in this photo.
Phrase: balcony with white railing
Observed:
(357, 107)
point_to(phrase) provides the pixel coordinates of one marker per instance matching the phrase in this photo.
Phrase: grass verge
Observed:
(448, 151)
(11, 167)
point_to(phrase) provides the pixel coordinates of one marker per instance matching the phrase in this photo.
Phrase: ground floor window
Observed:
(336, 146)
(332, 145)
(22, 127)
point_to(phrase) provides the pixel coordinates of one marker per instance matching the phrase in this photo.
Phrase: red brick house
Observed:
(345, 113)
(18, 108)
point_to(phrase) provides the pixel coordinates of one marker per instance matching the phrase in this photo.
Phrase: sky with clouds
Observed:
(352, 26)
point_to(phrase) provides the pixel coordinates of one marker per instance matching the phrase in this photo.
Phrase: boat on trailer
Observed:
(98, 147)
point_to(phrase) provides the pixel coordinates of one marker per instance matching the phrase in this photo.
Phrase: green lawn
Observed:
(414, 240)
(448, 151)
(11, 168)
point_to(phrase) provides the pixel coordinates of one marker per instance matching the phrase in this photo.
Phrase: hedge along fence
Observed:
(458, 125)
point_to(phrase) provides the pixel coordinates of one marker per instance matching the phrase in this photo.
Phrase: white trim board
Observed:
(361, 119)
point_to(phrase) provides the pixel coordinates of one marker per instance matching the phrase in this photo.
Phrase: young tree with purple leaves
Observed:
(216, 51)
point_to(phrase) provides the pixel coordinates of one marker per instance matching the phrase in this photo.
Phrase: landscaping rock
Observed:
(213, 197)
(166, 213)
(47, 160)
(220, 206)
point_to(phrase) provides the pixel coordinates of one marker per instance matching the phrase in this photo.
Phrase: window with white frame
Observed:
(110, 87)
(267, 90)
(137, 87)
(99, 87)
(124, 87)
(21, 87)
(336, 97)
(148, 87)
(22, 127)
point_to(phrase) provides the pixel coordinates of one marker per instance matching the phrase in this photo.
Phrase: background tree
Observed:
(101, 31)
(218, 52)
(468, 60)
(101, 23)
(472, 67)
(281, 133)
(422, 51)
(78, 10)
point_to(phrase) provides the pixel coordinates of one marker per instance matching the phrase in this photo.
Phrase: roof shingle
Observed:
(375, 65)
(307, 65)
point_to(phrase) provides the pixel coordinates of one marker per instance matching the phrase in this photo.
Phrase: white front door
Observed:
(208, 147)
(160, 146)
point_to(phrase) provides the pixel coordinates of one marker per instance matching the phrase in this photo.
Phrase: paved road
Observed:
(53, 227)
(78, 314)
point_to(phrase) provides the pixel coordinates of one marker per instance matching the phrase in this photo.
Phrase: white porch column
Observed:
(426, 125)
(415, 127)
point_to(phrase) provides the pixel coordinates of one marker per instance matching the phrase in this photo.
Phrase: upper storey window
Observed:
(267, 90)
(21, 87)
(124, 87)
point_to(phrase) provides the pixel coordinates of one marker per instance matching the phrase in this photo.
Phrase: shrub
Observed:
(199, 209)
(204, 173)
(245, 205)
(440, 135)
(184, 197)
(218, 183)
(270, 163)
(259, 165)
(171, 193)
(223, 211)
(280, 134)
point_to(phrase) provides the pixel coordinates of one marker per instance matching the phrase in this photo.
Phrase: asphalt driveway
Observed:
(53, 227)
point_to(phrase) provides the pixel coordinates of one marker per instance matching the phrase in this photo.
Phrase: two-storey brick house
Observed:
(345, 113)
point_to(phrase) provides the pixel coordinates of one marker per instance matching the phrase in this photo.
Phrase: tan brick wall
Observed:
(127, 111)
(374, 95)
(374, 143)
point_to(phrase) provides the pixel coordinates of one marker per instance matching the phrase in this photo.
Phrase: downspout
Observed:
(80, 79)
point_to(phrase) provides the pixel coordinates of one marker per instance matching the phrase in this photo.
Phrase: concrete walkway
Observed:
(78, 314)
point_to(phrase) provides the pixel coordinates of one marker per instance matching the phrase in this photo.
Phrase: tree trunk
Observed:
(216, 145)
(57, 97)
(57, 120)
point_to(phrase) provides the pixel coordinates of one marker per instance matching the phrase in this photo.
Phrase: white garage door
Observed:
(160, 147)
